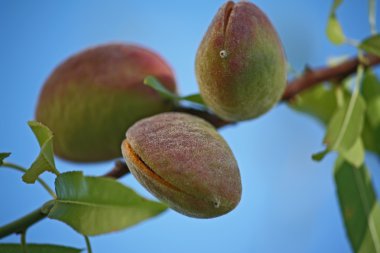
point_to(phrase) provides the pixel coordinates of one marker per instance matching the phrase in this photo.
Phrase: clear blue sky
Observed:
(289, 203)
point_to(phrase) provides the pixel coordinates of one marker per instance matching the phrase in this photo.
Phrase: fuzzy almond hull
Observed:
(92, 98)
(240, 63)
(183, 161)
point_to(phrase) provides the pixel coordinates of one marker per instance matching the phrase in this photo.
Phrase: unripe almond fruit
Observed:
(91, 99)
(183, 161)
(240, 64)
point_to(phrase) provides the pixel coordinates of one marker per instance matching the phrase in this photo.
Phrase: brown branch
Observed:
(119, 170)
(309, 79)
(314, 77)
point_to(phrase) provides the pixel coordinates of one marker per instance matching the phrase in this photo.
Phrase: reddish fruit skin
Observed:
(182, 160)
(240, 64)
(92, 98)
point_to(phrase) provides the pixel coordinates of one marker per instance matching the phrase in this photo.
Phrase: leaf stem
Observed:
(21, 224)
(88, 244)
(42, 182)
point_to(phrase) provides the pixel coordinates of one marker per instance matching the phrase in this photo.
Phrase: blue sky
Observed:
(289, 202)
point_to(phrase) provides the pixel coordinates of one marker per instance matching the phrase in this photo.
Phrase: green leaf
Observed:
(371, 45)
(355, 155)
(371, 238)
(344, 130)
(320, 155)
(346, 125)
(371, 93)
(37, 248)
(94, 205)
(370, 86)
(45, 160)
(358, 206)
(309, 102)
(370, 138)
(195, 98)
(373, 112)
(3, 156)
(154, 83)
(371, 130)
(334, 31)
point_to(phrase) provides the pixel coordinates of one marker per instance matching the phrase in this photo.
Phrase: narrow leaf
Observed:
(373, 112)
(371, 45)
(371, 238)
(309, 102)
(93, 205)
(45, 160)
(334, 31)
(195, 98)
(3, 156)
(358, 206)
(152, 82)
(355, 155)
(370, 86)
(320, 155)
(37, 248)
(370, 136)
(371, 130)
(345, 126)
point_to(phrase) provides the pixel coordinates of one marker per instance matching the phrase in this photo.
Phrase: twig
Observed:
(314, 77)
(20, 225)
(309, 79)
(120, 169)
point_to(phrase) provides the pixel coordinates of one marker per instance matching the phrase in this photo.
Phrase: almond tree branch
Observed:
(307, 80)
(119, 170)
(314, 77)
(22, 224)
